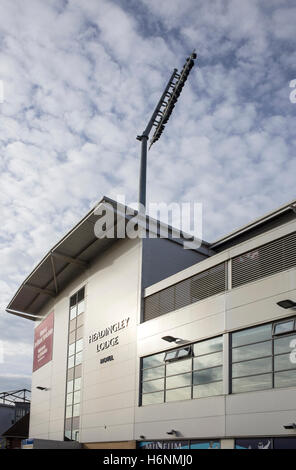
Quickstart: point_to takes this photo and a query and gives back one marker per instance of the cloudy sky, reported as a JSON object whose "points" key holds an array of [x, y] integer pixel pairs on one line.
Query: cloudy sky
{"points": [[81, 79]]}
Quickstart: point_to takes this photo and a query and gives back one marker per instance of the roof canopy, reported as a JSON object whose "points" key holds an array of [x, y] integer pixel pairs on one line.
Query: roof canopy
{"points": [[66, 259]]}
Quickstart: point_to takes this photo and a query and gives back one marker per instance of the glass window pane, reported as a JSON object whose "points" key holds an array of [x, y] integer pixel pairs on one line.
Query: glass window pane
{"points": [[179, 367], [178, 381], [256, 366], [77, 384], [153, 361], [178, 394], [80, 307], [79, 333], [284, 327], [78, 359], [73, 311], [68, 411], [208, 390], [244, 353], [71, 362], [79, 345], [152, 398], [210, 360], [207, 375], [70, 386], [72, 337], [252, 335], [285, 344], [76, 409], [68, 434], [75, 434], [72, 349], [248, 384], [72, 325], [80, 320], [283, 362], [69, 399], [208, 346], [68, 424], [76, 397], [171, 355], [184, 352], [153, 386], [285, 379], [154, 373]]}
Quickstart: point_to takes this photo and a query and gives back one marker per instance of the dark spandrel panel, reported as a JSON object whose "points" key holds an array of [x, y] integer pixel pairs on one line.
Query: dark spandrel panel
{"points": [[154, 373], [253, 351], [250, 384], [152, 398], [178, 394], [153, 386], [284, 361], [256, 366], [153, 361], [252, 335], [284, 443], [208, 346], [284, 344], [285, 379], [207, 375], [208, 390], [209, 360], [262, 443], [80, 294], [73, 300]]}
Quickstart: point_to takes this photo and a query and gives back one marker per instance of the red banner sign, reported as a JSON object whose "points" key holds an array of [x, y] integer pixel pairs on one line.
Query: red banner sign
{"points": [[43, 339]]}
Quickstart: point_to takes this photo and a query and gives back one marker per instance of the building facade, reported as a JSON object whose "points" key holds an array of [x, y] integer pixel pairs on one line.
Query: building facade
{"points": [[139, 342]]}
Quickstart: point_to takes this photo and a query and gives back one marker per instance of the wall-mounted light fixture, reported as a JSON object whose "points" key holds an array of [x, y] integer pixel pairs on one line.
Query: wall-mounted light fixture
{"points": [[173, 432], [286, 303], [142, 437], [290, 426], [172, 339], [42, 388]]}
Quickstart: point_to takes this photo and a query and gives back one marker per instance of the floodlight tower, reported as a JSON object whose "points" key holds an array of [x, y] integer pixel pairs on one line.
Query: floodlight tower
{"points": [[160, 117]]}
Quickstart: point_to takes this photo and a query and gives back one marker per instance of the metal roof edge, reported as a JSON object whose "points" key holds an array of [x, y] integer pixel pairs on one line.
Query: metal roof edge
{"points": [[254, 223]]}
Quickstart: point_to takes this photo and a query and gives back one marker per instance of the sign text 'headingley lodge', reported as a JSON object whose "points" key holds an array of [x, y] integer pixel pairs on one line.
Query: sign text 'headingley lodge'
{"points": [[110, 330]]}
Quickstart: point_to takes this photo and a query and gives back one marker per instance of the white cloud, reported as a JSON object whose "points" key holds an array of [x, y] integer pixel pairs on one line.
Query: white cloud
{"points": [[81, 80]]}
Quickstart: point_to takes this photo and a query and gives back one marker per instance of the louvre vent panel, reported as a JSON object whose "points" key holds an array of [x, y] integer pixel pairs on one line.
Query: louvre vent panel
{"points": [[193, 289], [265, 260]]}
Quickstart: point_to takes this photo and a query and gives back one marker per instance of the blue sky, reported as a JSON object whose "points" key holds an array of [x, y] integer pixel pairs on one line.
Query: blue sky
{"points": [[81, 79]]}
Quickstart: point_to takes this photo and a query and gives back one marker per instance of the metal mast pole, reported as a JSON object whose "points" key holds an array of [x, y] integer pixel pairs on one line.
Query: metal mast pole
{"points": [[145, 136], [159, 118]]}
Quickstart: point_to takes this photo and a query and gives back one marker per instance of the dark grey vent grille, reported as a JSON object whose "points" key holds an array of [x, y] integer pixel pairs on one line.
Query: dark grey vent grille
{"points": [[265, 260], [193, 289]]}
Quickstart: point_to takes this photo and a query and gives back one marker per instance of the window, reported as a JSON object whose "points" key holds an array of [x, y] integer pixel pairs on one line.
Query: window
{"points": [[75, 351], [261, 357], [193, 371]]}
